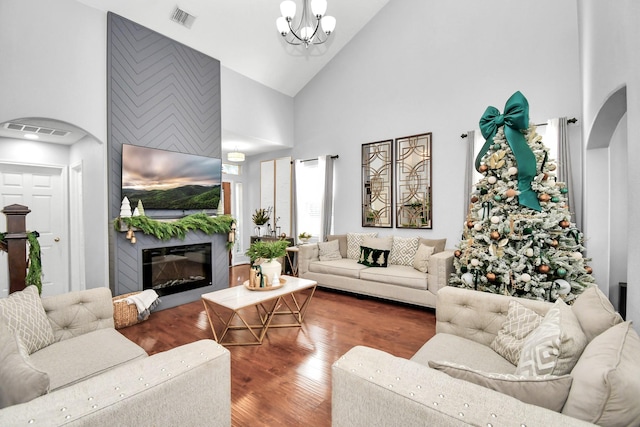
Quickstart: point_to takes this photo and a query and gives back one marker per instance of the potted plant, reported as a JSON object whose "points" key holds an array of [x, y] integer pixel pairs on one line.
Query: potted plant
{"points": [[260, 217], [266, 254], [304, 237]]}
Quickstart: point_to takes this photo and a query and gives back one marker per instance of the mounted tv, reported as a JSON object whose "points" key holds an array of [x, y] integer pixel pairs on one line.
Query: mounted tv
{"points": [[168, 181]]}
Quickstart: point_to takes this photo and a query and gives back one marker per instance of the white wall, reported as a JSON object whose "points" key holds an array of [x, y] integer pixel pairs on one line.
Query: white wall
{"points": [[92, 154], [411, 71], [610, 42], [54, 63], [252, 110]]}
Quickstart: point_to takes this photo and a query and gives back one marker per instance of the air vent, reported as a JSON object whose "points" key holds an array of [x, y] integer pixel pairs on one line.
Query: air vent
{"points": [[183, 18], [35, 129]]}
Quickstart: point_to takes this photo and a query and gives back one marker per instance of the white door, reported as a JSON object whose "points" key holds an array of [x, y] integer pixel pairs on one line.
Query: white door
{"points": [[41, 189]]}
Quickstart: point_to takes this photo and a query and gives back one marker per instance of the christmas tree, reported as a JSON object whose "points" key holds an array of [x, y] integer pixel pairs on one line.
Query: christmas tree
{"points": [[518, 238]]}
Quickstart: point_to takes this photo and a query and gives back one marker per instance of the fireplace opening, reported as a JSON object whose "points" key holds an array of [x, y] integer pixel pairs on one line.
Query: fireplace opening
{"points": [[175, 269]]}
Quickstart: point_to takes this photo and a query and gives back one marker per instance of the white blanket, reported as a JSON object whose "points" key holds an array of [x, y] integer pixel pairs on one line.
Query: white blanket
{"points": [[144, 302]]}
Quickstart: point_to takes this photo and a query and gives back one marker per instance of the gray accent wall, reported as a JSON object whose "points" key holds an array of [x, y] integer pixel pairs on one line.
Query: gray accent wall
{"points": [[160, 94]]}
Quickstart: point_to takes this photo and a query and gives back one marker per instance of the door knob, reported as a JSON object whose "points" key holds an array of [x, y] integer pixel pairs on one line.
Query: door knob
{"points": [[57, 239]]}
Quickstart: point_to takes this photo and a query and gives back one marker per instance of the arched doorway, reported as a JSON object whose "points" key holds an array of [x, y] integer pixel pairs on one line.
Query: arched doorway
{"points": [[59, 171], [606, 189]]}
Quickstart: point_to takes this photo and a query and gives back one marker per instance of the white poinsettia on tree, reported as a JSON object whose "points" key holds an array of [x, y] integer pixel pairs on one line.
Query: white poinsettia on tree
{"points": [[518, 238]]}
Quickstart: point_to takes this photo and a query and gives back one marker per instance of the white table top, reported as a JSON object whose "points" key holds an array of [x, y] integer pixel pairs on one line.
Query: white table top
{"points": [[238, 297]]}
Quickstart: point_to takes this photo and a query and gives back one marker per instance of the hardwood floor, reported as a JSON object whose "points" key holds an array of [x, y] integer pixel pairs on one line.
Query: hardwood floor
{"points": [[286, 381]]}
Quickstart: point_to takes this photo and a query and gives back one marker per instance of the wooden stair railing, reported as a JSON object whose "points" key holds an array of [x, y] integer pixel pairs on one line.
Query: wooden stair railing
{"points": [[16, 245]]}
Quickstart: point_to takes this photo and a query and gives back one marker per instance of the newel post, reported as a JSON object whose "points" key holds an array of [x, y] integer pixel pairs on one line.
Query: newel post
{"points": [[16, 239]]}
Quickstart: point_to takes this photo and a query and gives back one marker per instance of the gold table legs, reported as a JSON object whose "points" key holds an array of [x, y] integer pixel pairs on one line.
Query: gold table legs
{"points": [[224, 320]]}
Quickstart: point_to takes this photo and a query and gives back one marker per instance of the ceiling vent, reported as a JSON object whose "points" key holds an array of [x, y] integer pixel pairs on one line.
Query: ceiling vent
{"points": [[35, 129], [183, 18]]}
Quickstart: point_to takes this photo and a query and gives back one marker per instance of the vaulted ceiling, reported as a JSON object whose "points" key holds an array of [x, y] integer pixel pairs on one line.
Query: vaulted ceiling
{"points": [[242, 34]]}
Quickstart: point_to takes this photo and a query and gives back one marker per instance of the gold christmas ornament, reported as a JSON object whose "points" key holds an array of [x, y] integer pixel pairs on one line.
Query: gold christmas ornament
{"points": [[544, 269], [588, 269], [483, 168], [510, 192], [491, 277], [494, 235], [564, 223], [474, 199], [544, 197], [457, 253], [554, 243]]}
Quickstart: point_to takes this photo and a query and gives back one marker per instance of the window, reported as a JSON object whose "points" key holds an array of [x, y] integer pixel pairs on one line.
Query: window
{"points": [[309, 188], [230, 169]]}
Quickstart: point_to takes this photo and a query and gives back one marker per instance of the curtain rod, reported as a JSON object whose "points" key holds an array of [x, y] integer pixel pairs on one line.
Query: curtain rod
{"points": [[571, 120], [335, 156]]}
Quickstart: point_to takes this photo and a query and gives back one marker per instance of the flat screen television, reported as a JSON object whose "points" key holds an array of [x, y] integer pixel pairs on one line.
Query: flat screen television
{"points": [[168, 181]]}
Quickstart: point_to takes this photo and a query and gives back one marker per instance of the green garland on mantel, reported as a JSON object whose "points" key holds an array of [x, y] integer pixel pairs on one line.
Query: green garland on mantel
{"points": [[34, 267], [164, 230]]}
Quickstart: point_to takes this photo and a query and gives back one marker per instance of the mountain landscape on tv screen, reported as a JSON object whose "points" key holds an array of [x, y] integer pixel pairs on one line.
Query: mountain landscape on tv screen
{"points": [[188, 197]]}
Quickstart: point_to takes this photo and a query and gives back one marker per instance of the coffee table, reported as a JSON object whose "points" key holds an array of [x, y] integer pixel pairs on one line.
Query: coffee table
{"points": [[240, 309]]}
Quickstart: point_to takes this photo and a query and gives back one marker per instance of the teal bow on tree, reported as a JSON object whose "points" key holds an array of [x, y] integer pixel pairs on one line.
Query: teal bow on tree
{"points": [[515, 119]]}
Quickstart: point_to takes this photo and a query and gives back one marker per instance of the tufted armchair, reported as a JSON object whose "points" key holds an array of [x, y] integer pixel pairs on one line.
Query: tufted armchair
{"points": [[88, 374], [457, 378]]}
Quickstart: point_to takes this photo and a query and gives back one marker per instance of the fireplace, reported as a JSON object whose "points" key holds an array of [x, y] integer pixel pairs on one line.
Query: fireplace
{"points": [[174, 269]]}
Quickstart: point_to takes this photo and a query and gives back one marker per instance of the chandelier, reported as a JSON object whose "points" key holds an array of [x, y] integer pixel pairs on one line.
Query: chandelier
{"points": [[313, 28]]}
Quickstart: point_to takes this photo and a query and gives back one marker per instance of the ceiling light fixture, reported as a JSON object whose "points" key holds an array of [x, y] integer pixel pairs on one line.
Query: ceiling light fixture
{"points": [[31, 136], [235, 156], [306, 30]]}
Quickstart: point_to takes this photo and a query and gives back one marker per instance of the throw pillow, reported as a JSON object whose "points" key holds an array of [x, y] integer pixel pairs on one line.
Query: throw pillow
{"points": [[594, 312], [403, 250], [385, 243], [342, 241], [373, 257], [606, 379], [437, 244], [519, 323], [20, 382], [329, 251], [23, 313], [421, 259], [545, 391], [354, 241], [555, 346]]}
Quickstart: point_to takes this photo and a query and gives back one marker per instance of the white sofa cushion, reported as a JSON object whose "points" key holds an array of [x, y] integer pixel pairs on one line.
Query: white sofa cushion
{"points": [[403, 250], [354, 241], [554, 347], [343, 267], [520, 322], [19, 381], [85, 356], [329, 251], [547, 391], [606, 379], [421, 259], [399, 275], [595, 312], [23, 313], [462, 351]]}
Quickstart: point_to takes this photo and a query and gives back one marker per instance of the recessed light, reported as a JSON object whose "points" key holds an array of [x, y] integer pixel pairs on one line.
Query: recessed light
{"points": [[31, 136]]}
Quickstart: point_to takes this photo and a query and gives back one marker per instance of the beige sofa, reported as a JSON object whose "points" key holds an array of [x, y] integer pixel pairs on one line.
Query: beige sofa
{"points": [[374, 388], [91, 375], [401, 283]]}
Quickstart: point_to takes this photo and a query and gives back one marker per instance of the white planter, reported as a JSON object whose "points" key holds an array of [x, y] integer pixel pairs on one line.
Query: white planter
{"points": [[270, 269]]}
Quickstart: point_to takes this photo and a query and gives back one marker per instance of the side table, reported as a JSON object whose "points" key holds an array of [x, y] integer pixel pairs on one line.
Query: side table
{"points": [[292, 257]]}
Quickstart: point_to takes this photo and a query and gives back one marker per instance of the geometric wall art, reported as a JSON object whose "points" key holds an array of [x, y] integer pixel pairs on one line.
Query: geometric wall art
{"points": [[413, 182], [377, 184]]}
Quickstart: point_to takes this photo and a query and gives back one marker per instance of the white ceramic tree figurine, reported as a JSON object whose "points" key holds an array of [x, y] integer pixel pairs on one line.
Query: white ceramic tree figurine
{"points": [[125, 208], [518, 238]]}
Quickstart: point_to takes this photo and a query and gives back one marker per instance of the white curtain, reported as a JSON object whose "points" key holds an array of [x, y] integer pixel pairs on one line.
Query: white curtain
{"points": [[294, 199], [325, 166], [557, 132], [468, 173]]}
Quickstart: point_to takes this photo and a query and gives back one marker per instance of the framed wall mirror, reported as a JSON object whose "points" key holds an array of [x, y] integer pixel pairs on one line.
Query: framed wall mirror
{"points": [[377, 184], [413, 182]]}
